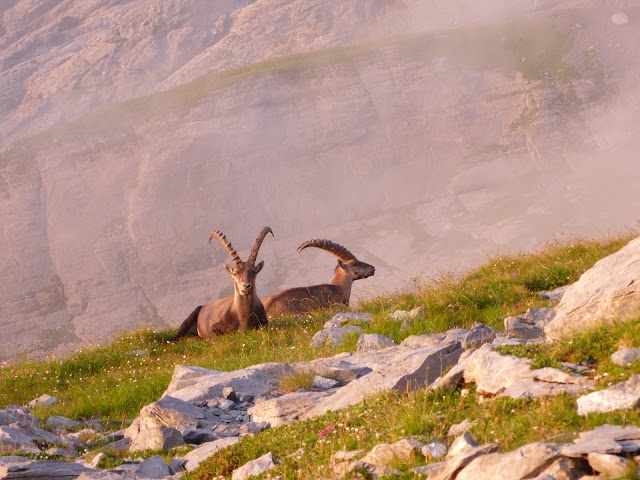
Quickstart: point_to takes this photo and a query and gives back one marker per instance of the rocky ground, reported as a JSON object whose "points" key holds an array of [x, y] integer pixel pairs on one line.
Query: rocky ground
{"points": [[212, 410]]}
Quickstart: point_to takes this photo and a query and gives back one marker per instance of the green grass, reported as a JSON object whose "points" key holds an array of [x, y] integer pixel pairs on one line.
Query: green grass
{"points": [[113, 383]]}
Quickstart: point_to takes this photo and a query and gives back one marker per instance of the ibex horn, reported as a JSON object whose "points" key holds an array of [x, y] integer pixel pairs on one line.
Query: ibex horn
{"points": [[232, 253], [256, 246], [338, 250]]}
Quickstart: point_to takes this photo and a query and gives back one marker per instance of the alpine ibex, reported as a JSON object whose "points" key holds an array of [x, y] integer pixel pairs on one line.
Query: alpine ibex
{"points": [[304, 299], [239, 313]]}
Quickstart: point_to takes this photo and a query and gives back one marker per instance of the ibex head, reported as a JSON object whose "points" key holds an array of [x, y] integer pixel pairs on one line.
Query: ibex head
{"points": [[347, 261], [243, 273]]}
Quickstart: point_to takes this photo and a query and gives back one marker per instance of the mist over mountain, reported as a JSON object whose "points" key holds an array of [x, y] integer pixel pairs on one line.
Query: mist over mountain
{"points": [[423, 137]]}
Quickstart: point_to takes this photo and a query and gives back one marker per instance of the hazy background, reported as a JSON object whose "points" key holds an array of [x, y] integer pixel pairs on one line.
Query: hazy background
{"points": [[422, 135]]}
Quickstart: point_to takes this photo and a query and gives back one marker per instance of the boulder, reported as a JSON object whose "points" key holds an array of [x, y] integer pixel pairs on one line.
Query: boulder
{"points": [[626, 356], [608, 292], [285, 409], [343, 318], [335, 336], [204, 451], [461, 444], [254, 467], [621, 396], [455, 465], [373, 341], [389, 453], [408, 314], [399, 369], [603, 439], [516, 465], [512, 376], [197, 384], [21, 416], [611, 466], [18, 467], [56, 421], [153, 468], [43, 401]]}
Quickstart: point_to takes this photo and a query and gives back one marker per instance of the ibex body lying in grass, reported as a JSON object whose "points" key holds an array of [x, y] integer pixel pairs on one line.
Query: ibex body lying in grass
{"points": [[239, 313], [295, 301]]}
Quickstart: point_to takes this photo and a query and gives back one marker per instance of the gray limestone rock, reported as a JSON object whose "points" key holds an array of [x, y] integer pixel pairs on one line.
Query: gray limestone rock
{"points": [[621, 396], [23, 468], [373, 341], [389, 453], [200, 385], [55, 421], [324, 383], [626, 356], [461, 444], [43, 401], [343, 318], [603, 439], [611, 466], [335, 336], [204, 451], [608, 292], [516, 465], [402, 370], [153, 468], [408, 314], [456, 464], [254, 467], [287, 408]]}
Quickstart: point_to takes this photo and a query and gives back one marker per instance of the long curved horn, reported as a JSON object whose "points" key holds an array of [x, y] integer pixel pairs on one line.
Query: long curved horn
{"points": [[232, 253], [256, 246], [338, 250]]}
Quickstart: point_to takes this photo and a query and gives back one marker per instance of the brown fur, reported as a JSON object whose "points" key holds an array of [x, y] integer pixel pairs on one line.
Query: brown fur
{"points": [[239, 313], [300, 300]]}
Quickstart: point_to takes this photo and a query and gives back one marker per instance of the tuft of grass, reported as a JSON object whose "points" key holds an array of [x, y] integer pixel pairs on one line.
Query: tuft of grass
{"points": [[295, 381]]}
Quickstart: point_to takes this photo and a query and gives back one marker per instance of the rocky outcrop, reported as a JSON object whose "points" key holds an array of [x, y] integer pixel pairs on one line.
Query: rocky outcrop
{"points": [[609, 292]]}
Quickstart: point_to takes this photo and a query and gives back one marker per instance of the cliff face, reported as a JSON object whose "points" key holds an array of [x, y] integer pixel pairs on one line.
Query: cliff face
{"points": [[421, 138]]}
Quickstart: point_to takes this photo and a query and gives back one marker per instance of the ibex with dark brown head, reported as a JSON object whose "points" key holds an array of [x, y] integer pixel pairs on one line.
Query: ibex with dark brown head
{"points": [[304, 299], [239, 313]]}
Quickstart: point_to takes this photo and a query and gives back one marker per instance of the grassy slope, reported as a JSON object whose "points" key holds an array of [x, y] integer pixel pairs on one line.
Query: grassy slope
{"points": [[112, 383]]}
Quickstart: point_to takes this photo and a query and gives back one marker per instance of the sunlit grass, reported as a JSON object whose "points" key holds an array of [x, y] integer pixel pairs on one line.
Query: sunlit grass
{"points": [[114, 382]]}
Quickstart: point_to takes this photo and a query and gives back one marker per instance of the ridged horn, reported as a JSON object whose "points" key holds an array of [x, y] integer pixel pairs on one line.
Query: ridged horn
{"points": [[338, 250], [256, 246], [232, 253]]}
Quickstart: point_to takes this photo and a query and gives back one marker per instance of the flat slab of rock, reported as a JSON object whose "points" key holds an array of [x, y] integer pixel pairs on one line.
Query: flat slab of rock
{"points": [[193, 385], [343, 318], [254, 467], [626, 356], [603, 439], [204, 451], [400, 369], [512, 376], [621, 396], [453, 466], [516, 465], [607, 292], [23, 468], [285, 409]]}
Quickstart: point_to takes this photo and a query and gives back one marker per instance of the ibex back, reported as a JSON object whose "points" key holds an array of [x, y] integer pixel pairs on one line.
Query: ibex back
{"points": [[299, 300], [239, 313]]}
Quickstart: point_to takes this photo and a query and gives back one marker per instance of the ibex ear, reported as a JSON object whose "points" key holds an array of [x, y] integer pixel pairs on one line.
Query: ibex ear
{"points": [[342, 264], [258, 267], [228, 268]]}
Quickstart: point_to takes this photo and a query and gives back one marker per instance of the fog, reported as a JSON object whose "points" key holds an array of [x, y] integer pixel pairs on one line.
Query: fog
{"points": [[423, 137]]}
